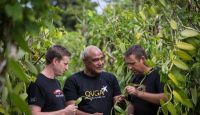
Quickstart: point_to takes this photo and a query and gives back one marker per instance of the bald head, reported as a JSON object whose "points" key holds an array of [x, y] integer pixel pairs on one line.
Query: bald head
{"points": [[93, 59], [90, 50]]}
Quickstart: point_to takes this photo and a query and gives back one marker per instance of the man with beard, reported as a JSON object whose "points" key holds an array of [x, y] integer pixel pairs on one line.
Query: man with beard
{"points": [[100, 89], [147, 92]]}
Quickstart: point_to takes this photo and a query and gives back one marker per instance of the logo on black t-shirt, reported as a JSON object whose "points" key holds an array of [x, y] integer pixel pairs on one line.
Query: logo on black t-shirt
{"points": [[95, 94], [104, 89], [33, 99], [58, 93]]}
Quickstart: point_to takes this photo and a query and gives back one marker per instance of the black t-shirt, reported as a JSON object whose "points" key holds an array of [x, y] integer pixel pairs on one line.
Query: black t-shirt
{"points": [[100, 90], [152, 85], [46, 93]]}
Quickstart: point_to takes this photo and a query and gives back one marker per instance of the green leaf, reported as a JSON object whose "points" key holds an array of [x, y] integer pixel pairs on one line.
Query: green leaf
{"points": [[8, 83], [188, 103], [14, 11], [119, 109], [152, 10], [183, 55], [20, 103], [32, 28], [120, 69], [165, 68], [179, 76], [78, 101], [31, 67], [4, 94], [171, 108], [194, 95], [196, 65], [122, 47], [182, 97], [193, 41], [14, 67], [171, 55], [150, 63], [185, 46], [173, 78], [90, 13], [164, 107], [163, 2], [2, 110], [48, 43], [22, 43], [142, 15], [180, 64], [173, 24], [18, 87], [138, 35], [177, 95], [20, 54], [189, 33], [24, 96], [166, 93]]}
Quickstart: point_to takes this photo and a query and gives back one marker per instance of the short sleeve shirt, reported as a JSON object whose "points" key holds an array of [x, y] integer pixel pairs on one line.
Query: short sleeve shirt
{"points": [[152, 85], [99, 90], [46, 93]]}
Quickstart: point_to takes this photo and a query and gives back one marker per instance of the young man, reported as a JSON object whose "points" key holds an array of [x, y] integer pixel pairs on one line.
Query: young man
{"points": [[45, 96], [100, 88], [145, 97]]}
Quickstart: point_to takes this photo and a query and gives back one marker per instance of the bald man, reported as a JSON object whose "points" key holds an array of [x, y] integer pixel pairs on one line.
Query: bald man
{"points": [[101, 88]]}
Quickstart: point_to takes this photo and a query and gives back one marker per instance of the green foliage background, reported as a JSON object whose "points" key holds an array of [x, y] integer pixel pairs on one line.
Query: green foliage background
{"points": [[168, 30]]}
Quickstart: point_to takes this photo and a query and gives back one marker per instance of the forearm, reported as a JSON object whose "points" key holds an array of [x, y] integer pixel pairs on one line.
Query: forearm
{"points": [[36, 110], [79, 112], [151, 97], [60, 112]]}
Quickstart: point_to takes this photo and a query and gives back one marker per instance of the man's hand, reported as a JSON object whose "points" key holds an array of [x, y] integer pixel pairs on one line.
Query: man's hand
{"points": [[131, 90], [70, 109], [119, 98]]}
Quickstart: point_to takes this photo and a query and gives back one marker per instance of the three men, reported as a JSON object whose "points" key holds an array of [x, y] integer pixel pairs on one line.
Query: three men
{"points": [[145, 97], [45, 96], [99, 88]]}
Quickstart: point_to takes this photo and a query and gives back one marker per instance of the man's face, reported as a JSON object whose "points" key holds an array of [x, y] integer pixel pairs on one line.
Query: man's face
{"points": [[134, 64], [94, 62], [61, 65]]}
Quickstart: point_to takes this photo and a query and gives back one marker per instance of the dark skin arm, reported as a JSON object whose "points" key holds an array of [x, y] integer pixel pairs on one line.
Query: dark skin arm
{"points": [[78, 112]]}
